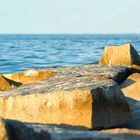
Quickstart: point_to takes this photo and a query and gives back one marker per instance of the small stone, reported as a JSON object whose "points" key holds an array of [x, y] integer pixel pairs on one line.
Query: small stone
{"points": [[31, 72]]}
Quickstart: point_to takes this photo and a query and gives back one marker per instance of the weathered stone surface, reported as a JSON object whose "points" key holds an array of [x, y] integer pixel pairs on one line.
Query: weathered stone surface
{"points": [[30, 76], [131, 86], [135, 111], [3, 131], [122, 55], [70, 100], [22, 131], [6, 84], [117, 73]]}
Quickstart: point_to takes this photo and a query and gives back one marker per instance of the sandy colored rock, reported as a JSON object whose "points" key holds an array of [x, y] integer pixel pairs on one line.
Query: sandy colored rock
{"points": [[3, 131], [131, 86], [70, 100], [30, 76], [121, 131], [120, 55], [6, 84]]}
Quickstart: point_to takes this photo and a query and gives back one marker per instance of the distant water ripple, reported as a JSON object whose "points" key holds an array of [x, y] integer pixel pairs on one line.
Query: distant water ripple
{"points": [[22, 52]]}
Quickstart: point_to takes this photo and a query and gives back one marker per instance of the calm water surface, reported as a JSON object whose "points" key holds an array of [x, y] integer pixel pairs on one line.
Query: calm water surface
{"points": [[22, 52]]}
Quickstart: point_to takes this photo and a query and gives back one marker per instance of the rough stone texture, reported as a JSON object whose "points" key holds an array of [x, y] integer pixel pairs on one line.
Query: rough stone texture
{"points": [[3, 131], [6, 84], [135, 111], [30, 76], [15, 130], [73, 100], [122, 55], [21, 131], [131, 86], [117, 73]]}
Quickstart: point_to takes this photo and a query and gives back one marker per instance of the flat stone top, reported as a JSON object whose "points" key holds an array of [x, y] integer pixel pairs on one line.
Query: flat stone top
{"points": [[60, 83], [85, 77], [90, 70]]}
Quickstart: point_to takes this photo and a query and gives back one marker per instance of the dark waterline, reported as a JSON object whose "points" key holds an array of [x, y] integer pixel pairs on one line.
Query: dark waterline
{"points": [[22, 52]]}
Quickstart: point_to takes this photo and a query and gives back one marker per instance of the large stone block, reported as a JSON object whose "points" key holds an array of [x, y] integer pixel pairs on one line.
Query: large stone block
{"points": [[121, 55], [69, 100]]}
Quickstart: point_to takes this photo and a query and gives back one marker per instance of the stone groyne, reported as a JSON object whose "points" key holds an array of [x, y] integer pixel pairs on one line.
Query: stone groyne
{"points": [[95, 101]]}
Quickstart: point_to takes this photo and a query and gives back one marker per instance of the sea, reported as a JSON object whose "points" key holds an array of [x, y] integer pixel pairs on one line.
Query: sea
{"points": [[19, 52]]}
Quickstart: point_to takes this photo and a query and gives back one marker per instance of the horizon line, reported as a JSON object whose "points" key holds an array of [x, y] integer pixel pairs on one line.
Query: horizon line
{"points": [[69, 33]]}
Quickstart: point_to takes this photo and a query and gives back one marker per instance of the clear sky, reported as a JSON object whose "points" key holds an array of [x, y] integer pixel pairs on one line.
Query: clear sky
{"points": [[69, 16]]}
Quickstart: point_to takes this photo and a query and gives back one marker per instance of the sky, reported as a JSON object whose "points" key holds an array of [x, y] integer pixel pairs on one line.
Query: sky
{"points": [[70, 16]]}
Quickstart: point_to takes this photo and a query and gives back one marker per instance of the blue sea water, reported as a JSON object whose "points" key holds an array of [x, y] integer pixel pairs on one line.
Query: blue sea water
{"points": [[22, 52]]}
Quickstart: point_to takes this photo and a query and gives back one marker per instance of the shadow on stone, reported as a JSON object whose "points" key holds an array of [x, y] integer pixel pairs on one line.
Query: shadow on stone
{"points": [[19, 131], [127, 84]]}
